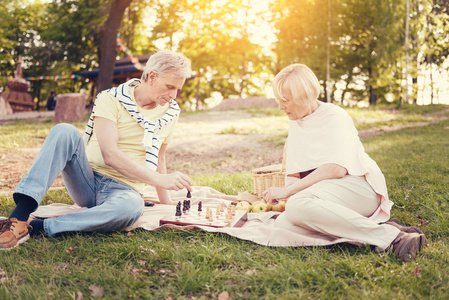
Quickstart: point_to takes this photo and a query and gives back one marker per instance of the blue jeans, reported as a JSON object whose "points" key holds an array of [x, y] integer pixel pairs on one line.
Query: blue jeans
{"points": [[112, 205]]}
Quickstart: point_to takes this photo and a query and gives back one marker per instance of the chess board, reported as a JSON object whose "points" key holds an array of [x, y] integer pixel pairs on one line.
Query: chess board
{"points": [[198, 218]]}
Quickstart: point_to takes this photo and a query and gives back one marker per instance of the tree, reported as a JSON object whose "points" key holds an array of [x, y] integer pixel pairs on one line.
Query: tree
{"points": [[21, 25], [435, 47], [305, 36], [19, 30], [216, 37], [108, 49]]}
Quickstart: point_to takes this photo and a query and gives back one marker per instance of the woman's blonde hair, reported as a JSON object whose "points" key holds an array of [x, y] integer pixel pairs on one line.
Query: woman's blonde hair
{"points": [[302, 82]]}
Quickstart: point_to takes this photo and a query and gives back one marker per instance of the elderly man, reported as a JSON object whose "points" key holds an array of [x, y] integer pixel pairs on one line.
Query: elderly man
{"points": [[122, 150]]}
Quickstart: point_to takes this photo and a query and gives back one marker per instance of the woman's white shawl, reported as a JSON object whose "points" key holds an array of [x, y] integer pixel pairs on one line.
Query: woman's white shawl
{"points": [[328, 135]]}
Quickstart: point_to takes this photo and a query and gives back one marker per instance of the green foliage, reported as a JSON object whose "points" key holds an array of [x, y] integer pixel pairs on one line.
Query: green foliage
{"points": [[217, 41], [20, 28], [57, 38], [72, 33], [366, 54], [195, 264]]}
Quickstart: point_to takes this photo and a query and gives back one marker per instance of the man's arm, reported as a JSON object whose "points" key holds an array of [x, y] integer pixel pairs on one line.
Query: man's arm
{"points": [[326, 171], [162, 194], [107, 135]]}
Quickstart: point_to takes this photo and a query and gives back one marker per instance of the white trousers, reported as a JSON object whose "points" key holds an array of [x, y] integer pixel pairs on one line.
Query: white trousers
{"points": [[337, 208]]}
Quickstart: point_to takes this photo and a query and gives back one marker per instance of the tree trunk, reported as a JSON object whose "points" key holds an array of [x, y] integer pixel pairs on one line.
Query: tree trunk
{"points": [[415, 89], [371, 89], [328, 54], [407, 99], [415, 57], [372, 95], [108, 50], [325, 90], [36, 92], [431, 80], [197, 92], [242, 76]]}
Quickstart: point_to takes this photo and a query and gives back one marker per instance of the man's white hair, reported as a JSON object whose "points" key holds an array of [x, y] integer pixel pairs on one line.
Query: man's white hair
{"points": [[164, 62]]}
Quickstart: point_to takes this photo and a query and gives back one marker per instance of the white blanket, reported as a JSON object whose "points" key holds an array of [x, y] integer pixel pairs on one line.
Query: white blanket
{"points": [[259, 227]]}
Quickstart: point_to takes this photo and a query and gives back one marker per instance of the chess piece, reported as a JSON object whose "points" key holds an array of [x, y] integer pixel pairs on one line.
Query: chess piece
{"points": [[200, 206], [189, 195], [178, 210], [209, 214], [233, 210], [184, 206], [227, 218]]}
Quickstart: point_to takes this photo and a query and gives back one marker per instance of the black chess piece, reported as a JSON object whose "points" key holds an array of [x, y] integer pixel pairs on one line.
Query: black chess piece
{"points": [[184, 205], [188, 204], [178, 210], [200, 206], [189, 195]]}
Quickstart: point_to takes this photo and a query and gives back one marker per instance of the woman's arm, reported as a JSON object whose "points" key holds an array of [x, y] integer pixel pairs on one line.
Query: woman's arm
{"points": [[326, 171], [107, 135]]}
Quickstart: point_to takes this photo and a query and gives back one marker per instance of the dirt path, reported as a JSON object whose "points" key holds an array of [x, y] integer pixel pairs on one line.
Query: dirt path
{"points": [[198, 148]]}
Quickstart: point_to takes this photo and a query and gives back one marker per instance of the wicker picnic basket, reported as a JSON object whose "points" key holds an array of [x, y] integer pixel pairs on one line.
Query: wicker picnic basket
{"points": [[269, 176]]}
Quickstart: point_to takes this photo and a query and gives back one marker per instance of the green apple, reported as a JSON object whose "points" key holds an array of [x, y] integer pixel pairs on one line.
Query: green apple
{"points": [[260, 206], [279, 206], [243, 205]]}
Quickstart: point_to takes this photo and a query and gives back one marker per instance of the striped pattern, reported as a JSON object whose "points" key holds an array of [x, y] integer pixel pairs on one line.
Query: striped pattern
{"points": [[150, 140]]}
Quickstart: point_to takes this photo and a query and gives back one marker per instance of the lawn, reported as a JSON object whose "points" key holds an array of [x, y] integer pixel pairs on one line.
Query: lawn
{"points": [[178, 264]]}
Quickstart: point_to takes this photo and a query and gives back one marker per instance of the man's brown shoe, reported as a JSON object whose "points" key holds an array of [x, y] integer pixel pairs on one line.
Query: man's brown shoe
{"points": [[406, 245], [13, 233]]}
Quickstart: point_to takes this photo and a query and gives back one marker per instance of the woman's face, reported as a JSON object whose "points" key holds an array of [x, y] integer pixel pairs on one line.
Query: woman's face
{"points": [[294, 111]]}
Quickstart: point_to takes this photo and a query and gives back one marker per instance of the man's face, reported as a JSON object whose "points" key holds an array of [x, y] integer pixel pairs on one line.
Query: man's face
{"points": [[162, 89]]}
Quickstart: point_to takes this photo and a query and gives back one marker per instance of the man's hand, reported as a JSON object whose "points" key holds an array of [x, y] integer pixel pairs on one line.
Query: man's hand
{"points": [[174, 181]]}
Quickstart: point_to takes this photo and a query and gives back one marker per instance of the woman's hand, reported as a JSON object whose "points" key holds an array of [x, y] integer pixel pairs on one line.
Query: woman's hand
{"points": [[275, 193]]}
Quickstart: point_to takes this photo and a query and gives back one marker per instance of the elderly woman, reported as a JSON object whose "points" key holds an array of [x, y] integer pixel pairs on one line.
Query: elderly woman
{"points": [[335, 189]]}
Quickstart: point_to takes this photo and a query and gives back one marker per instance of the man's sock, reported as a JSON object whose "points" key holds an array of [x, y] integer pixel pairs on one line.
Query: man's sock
{"points": [[38, 226], [25, 206]]}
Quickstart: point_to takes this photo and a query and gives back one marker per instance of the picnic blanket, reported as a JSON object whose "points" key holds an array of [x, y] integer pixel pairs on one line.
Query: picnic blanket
{"points": [[258, 228]]}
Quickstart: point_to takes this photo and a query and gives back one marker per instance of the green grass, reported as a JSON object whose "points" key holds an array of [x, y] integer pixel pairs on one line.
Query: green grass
{"points": [[271, 112], [198, 265], [366, 118], [263, 125], [26, 133], [240, 130], [230, 184]]}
